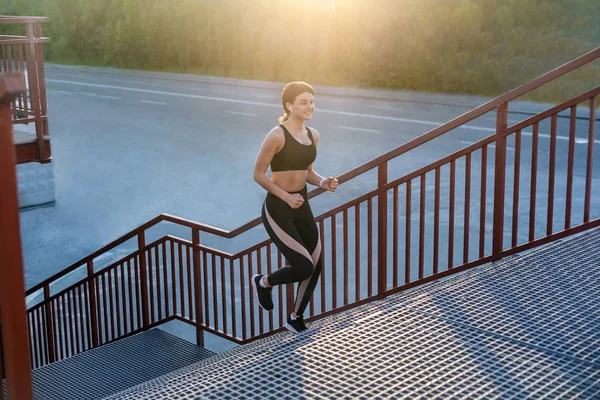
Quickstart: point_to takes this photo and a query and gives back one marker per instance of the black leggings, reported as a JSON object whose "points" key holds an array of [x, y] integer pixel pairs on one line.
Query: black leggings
{"points": [[295, 233]]}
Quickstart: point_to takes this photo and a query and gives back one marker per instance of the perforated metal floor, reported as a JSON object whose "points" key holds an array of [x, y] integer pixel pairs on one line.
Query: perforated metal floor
{"points": [[21, 136], [112, 368], [527, 327]]}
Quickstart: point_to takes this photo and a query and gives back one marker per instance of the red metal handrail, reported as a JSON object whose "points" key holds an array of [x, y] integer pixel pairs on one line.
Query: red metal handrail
{"points": [[412, 144], [110, 325], [174, 279], [15, 39], [24, 54], [8, 19]]}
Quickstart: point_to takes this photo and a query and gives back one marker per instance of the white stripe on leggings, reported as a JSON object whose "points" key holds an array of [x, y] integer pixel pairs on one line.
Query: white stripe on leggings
{"points": [[302, 288], [285, 238]]}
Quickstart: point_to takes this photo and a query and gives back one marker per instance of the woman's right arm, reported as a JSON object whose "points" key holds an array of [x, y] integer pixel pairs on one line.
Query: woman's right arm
{"points": [[267, 150]]}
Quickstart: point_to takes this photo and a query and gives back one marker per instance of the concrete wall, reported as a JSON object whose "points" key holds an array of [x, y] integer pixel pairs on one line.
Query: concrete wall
{"points": [[36, 184]]}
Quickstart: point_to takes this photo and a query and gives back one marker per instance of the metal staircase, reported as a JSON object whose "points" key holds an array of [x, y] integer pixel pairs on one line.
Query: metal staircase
{"points": [[25, 54], [115, 367], [526, 327]]}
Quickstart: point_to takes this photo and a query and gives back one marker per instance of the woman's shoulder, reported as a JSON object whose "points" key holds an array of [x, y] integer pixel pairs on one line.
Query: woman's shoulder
{"points": [[277, 131], [315, 133], [276, 135]]}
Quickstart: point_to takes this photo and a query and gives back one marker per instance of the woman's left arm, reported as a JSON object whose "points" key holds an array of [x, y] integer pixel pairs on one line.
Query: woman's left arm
{"points": [[314, 178]]}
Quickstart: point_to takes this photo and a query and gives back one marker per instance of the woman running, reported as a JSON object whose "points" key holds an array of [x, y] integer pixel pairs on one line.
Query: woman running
{"points": [[291, 149]]}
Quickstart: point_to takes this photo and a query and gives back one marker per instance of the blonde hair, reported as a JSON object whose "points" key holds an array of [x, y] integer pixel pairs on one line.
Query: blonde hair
{"points": [[289, 94]]}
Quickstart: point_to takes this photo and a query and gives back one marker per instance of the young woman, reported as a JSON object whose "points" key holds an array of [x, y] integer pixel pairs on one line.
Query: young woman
{"points": [[291, 149]]}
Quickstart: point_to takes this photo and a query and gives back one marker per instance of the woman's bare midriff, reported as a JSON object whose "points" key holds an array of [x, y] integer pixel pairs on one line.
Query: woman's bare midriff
{"points": [[290, 181]]}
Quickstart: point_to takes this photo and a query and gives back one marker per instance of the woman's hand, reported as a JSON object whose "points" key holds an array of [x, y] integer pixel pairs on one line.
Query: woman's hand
{"points": [[294, 200], [330, 184]]}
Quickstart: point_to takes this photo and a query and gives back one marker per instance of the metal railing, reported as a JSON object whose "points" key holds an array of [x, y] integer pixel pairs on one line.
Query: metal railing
{"points": [[176, 279], [24, 54]]}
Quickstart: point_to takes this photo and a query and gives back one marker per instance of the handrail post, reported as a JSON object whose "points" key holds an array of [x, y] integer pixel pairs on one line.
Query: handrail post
{"points": [[590, 160], [499, 180], [39, 51], [15, 333], [93, 304], [48, 326], [382, 172], [143, 279], [34, 91], [197, 287]]}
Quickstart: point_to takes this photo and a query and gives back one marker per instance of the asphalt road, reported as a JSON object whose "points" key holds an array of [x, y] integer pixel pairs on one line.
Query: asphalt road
{"points": [[127, 147]]}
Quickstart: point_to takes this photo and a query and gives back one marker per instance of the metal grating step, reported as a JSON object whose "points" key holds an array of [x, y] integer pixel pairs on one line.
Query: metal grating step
{"points": [[542, 301], [114, 367], [526, 327], [23, 134]]}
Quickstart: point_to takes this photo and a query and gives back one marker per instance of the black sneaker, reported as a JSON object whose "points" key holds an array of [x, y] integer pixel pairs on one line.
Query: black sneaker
{"points": [[263, 295], [295, 325]]}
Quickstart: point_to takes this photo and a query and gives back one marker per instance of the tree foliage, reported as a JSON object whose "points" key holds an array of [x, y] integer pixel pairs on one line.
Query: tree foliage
{"points": [[464, 46]]}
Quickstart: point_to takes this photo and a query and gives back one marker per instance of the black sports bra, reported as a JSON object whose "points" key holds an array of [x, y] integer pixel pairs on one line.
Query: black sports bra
{"points": [[294, 155]]}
